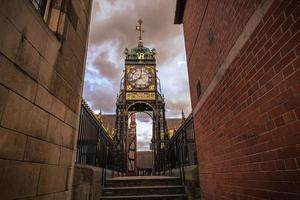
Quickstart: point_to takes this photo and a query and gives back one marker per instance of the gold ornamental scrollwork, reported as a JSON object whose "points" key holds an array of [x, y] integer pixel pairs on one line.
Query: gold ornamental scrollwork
{"points": [[128, 87], [152, 87], [140, 96]]}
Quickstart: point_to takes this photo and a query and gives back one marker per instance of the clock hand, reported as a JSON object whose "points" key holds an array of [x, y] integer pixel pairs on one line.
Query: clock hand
{"points": [[135, 77]]}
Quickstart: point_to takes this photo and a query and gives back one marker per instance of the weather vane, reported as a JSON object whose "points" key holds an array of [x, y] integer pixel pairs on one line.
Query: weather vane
{"points": [[139, 28]]}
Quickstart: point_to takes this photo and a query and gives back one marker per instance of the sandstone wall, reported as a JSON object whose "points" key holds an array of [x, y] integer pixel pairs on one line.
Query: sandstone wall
{"points": [[87, 183], [41, 77]]}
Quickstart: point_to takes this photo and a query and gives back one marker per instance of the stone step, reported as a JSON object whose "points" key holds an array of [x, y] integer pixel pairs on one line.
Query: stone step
{"points": [[143, 190], [142, 181], [152, 197]]}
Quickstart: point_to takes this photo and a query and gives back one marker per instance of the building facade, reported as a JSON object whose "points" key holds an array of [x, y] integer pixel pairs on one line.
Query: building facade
{"points": [[43, 48], [243, 61]]}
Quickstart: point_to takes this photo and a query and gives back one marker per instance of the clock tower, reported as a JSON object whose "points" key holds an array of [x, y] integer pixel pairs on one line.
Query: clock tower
{"points": [[140, 92], [140, 73]]}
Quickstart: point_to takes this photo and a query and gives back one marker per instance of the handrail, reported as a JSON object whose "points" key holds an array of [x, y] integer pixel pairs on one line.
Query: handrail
{"points": [[180, 150], [94, 146]]}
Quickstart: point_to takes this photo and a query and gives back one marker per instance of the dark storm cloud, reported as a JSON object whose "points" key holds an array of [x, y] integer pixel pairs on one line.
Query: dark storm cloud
{"points": [[99, 98], [158, 25], [174, 108], [107, 68]]}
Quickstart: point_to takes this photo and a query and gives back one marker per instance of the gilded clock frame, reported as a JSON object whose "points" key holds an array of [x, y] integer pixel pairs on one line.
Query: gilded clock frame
{"points": [[130, 87]]}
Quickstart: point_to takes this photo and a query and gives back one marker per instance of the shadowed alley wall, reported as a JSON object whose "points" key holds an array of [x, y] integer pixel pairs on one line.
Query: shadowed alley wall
{"points": [[42, 59], [243, 62]]}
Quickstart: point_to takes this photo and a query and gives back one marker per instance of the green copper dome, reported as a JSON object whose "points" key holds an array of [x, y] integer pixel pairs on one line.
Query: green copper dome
{"points": [[140, 55]]}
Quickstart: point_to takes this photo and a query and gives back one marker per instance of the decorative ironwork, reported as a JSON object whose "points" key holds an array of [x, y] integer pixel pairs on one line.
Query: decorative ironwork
{"points": [[144, 171], [140, 96], [180, 150], [94, 146], [139, 93]]}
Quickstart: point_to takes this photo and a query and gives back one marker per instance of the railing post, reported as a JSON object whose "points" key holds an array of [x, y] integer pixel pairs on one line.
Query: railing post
{"points": [[91, 132], [182, 158]]}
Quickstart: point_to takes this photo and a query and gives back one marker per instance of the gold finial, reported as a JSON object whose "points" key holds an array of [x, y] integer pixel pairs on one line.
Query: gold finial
{"points": [[139, 28]]}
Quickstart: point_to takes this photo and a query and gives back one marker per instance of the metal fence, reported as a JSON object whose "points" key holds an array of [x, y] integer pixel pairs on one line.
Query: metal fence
{"points": [[94, 146], [180, 150]]}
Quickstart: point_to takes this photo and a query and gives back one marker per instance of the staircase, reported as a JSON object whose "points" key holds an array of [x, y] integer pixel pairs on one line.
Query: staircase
{"points": [[144, 187]]}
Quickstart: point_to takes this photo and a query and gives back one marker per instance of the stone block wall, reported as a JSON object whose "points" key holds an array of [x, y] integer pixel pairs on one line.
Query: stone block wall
{"points": [[41, 77], [87, 184], [245, 55]]}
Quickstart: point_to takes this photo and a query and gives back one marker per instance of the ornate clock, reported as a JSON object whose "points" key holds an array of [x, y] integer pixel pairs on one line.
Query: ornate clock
{"points": [[140, 78]]}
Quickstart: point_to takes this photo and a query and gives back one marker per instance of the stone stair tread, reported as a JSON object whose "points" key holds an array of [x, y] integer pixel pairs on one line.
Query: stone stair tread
{"points": [[126, 178], [144, 187], [144, 196]]}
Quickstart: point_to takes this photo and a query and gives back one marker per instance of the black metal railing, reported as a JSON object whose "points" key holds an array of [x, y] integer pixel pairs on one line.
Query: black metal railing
{"points": [[94, 146], [180, 150]]}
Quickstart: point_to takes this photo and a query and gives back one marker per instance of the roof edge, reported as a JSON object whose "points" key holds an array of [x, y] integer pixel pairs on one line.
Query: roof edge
{"points": [[179, 12]]}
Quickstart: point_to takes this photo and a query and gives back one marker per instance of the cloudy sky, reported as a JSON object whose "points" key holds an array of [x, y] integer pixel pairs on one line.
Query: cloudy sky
{"points": [[112, 30]]}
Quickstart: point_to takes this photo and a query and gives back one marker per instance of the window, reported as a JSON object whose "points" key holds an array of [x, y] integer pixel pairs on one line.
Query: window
{"points": [[211, 37], [198, 88], [72, 15], [52, 12], [42, 7]]}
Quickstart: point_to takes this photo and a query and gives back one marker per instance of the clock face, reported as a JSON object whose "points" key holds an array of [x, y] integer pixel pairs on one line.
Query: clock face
{"points": [[140, 78]]}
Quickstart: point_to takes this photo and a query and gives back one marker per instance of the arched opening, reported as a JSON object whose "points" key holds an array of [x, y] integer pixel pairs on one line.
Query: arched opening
{"points": [[140, 135]]}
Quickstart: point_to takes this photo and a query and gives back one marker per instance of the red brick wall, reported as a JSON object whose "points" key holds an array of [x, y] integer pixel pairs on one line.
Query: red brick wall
{"points": [[226, 20], [248, 129]]}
